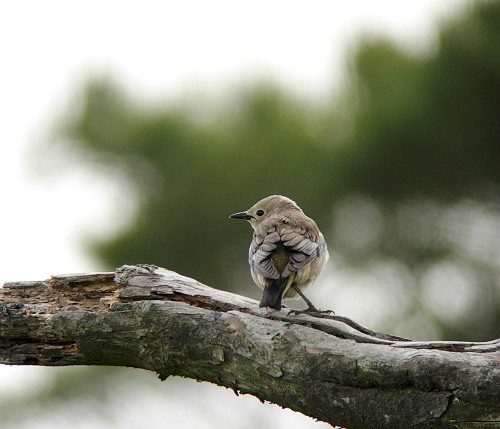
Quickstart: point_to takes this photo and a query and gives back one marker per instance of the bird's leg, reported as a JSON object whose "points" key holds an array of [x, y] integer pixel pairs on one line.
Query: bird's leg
{"points": [[310, 307]]}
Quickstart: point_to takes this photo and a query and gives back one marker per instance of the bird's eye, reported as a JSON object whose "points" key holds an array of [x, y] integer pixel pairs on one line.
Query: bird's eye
{"points": [[260, 212]]}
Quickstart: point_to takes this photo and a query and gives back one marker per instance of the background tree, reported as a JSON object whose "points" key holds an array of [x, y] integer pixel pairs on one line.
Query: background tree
{"points": [[406, 162], [404, 166]]}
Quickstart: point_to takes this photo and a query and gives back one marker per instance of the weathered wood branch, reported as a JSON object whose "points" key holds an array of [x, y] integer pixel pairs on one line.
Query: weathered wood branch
{"points": [[329, 368]]}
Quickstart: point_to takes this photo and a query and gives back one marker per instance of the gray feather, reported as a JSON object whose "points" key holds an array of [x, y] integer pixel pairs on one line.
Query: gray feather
{"points": [[301, 245], [260, 252]]}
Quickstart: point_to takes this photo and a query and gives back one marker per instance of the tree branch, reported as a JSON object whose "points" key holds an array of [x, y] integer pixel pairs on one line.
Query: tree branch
{"points": [[329, 368]]}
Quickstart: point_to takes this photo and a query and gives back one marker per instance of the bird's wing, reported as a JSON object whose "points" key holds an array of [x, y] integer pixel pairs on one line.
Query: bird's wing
{"points": [[263, 244], [303, 245]]}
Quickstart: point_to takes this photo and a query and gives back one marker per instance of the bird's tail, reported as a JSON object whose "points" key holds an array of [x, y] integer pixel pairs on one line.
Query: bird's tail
{"points": [[271, 297], [274, 292]]}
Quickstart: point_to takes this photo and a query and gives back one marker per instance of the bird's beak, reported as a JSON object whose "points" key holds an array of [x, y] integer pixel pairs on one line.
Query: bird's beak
{"points": [[241, 215]]}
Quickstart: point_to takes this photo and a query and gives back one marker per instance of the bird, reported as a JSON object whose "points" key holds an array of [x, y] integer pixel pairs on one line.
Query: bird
{"points": [[287, 252]]}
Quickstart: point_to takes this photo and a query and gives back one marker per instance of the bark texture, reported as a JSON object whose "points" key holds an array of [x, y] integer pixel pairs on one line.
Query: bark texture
{"points": [[329, 368]]}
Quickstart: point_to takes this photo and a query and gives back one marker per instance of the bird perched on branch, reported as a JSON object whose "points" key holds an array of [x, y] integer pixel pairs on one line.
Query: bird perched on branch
{"points": [[287, 252]]}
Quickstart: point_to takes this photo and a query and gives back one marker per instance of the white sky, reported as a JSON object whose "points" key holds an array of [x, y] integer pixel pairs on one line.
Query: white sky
{"points": [[158, 50]]}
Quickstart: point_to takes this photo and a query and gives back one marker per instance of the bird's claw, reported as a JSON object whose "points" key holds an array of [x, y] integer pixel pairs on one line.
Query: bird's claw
{"points": [[313, 311]]}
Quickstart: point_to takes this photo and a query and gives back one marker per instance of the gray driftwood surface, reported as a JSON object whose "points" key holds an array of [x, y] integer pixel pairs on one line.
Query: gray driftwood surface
{"points": [[329, 368]]}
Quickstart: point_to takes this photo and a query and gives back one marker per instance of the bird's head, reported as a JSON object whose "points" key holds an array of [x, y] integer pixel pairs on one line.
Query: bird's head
{"points": [[269, 206]]}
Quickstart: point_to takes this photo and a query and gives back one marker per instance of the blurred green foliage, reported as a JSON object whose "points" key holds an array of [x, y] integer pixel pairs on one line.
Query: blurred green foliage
{"points": [[401, 172], [414, 136], [190, 176]]}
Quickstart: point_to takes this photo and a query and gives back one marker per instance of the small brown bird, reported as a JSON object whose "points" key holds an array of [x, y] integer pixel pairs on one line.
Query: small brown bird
{"points": [[287, 252]]}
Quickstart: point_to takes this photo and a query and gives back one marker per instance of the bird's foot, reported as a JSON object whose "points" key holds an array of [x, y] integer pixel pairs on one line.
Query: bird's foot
{"points": [[313, 311]]}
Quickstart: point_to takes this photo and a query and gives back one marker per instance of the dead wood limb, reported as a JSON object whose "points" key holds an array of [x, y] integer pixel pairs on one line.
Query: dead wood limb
{"points": [[329, 368]]}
